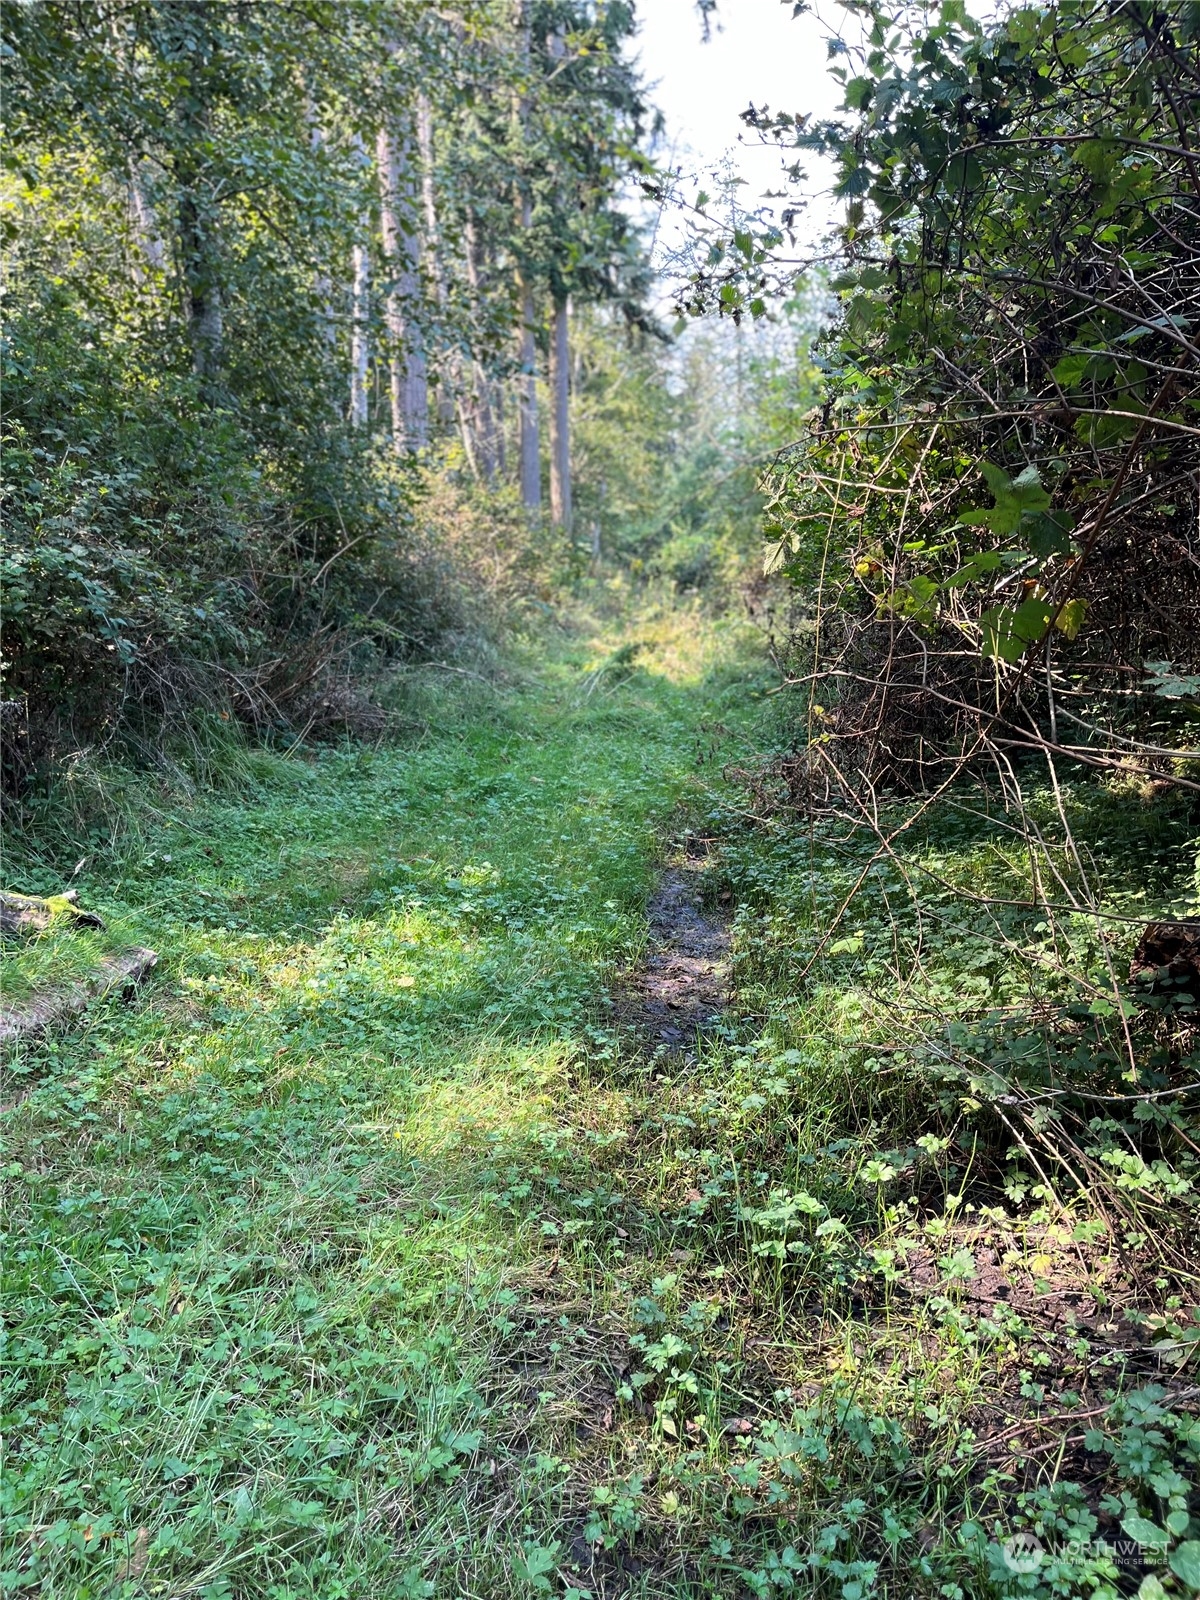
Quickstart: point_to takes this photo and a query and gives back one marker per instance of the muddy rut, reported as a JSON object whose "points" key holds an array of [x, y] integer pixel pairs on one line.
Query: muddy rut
{"points": [[682, 986]]}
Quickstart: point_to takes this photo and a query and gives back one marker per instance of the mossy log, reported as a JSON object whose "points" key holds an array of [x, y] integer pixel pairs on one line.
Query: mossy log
{"points": [[31, 913]]}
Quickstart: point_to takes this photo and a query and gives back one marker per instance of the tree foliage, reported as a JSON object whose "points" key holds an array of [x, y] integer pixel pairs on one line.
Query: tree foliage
{"points": [[1011, 419], [200, 254]]}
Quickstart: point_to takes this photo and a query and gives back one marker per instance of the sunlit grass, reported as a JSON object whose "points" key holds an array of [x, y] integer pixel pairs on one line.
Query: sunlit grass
{"points": [[364, 1255], [271, 1210]]}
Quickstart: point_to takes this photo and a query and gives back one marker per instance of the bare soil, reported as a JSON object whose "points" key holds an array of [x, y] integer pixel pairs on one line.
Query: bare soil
{"points": [[682, 986]]}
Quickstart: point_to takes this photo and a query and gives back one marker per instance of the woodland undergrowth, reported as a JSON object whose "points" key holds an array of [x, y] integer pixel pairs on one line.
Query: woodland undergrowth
{"points": [[370, 1252]]}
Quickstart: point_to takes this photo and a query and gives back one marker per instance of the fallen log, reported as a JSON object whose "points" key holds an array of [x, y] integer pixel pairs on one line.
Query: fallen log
{"points": [[31, 913], [124, 970]]}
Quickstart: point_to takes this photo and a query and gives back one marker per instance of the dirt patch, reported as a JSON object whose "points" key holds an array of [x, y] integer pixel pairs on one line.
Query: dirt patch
{"points": [[682, 987]]}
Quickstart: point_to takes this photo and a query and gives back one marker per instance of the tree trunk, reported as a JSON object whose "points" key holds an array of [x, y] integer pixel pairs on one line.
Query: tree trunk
{"points": [[433, 251], [151, 253], [409, 383], [322, 283], [360, 316], [477, 418], [145, 227], [560, 421], [527, 412], [360, 334], [206, 322], [188, 24], [500, 411], [527, 408]]}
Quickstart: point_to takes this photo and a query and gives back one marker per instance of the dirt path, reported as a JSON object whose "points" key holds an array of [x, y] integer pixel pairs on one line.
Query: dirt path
{"points": [[683, 985]]}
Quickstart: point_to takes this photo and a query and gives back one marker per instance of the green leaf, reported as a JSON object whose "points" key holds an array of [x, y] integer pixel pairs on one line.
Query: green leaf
{"points": [[1070, 369], [1047, 535], [1098, 157], [774, 556], [537, 1561], [918, 598], [995, 477], [977, 567], [1070, 618], [1169, 682], [1027, 488], [1144, 1531], [1000, 643], [863, 315], [1185, 1563], [1031, 619], [1014, 498], [1008, 630], [873, 278], [858, 93]]}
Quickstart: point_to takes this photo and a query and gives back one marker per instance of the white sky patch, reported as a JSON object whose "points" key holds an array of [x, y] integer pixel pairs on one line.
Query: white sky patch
{"points": [[756, 53]]}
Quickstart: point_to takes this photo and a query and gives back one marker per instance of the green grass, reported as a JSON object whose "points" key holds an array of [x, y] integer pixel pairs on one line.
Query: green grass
{"points": [[61, 955], [364, 1256], [269, 1220]]}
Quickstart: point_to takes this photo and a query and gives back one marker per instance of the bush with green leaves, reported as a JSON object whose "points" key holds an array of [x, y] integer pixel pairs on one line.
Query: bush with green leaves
{"points": [[998, 489]]}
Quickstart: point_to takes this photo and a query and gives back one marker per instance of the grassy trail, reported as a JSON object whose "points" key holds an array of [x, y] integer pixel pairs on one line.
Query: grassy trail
{"points": [[314, 1239], [366, 1257]]}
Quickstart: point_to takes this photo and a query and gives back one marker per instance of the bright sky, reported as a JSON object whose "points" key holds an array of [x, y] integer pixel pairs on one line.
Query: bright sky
{"points": [[756, 52]]}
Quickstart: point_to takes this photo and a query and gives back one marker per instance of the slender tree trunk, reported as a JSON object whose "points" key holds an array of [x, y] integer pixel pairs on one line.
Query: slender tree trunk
{"points": [[527, 411], [409, 382], [199, 251], [477, 418], [360, 315], [560, 416], [151, 247], [205, 318], [385, 163], [360, 335], [200, 261], [527, 407], [151, 254], [501, 416], [433, 252], [322, 283]]}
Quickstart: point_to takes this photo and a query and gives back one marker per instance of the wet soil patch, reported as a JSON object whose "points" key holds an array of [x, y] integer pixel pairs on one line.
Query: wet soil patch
{"points": [[682, 986]]}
